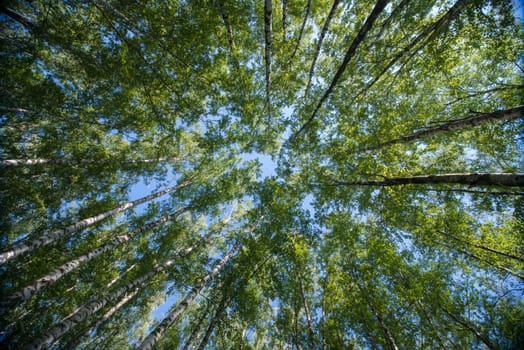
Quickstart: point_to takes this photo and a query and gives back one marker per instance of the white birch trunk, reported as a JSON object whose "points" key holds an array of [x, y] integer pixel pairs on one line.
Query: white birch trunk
{"points": [[57, 234], [72, 162], [43, 282], [176, 313], [90, 308]]}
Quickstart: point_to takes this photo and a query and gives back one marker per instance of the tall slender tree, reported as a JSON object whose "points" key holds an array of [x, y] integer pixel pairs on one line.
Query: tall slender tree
{"points": [[55, 235], [177, 312]]}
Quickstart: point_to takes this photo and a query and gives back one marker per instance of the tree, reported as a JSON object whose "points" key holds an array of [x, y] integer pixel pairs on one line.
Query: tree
{"points": [[140, 207]]}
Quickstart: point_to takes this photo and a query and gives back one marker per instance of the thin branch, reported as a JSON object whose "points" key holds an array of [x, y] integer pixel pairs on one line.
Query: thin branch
{"points": [[301, 33], [319, 44], [490, 91]]}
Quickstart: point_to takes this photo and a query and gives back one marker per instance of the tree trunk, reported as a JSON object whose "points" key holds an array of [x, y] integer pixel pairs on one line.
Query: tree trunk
{"points": [[301, 33], [195, 334], [482, 247], [24, 21], [73, 344], [73, 162], [471, 179], [385, 329], [319, 44], [284, 18], [218, 313], [268, 28], [27, 292], [227, 24], [422, 310], [80, 225], [115, 280], [176, 313], [379, 6], [90, 308], [392, 15], [480, 259], [471, 328], [308, 314], [458, 124], [436, 26]]}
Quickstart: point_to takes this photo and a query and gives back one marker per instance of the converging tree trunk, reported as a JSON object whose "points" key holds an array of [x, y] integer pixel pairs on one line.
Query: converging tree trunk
{"points": [[214, 320], [82, 337], [284, 18], [319, 44], [176, 313], [197, 330], [480, 259], [57, 234], [473, 120], [268, 33], [379, 7], [471, 179], [90, 308], [482, 247], [433, 28], [24, 21], [301, 33], [43, 282], [227, 23], [306, 311], [368, 297], [73, 162], [470, 327]]}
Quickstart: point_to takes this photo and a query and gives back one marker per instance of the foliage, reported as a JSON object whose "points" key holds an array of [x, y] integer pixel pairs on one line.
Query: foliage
{"points": [[352, 242]]}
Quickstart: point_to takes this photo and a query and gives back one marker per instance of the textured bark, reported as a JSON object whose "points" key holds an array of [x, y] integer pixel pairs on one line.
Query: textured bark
{"points": [[37, 286], [434, 27], [268, 29], [319, 44], [368, 24], [150, 341], [471, 179], [474, 120], [301, 33], [73, 162], [73, 344], [80, 225], [90, 308]]}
